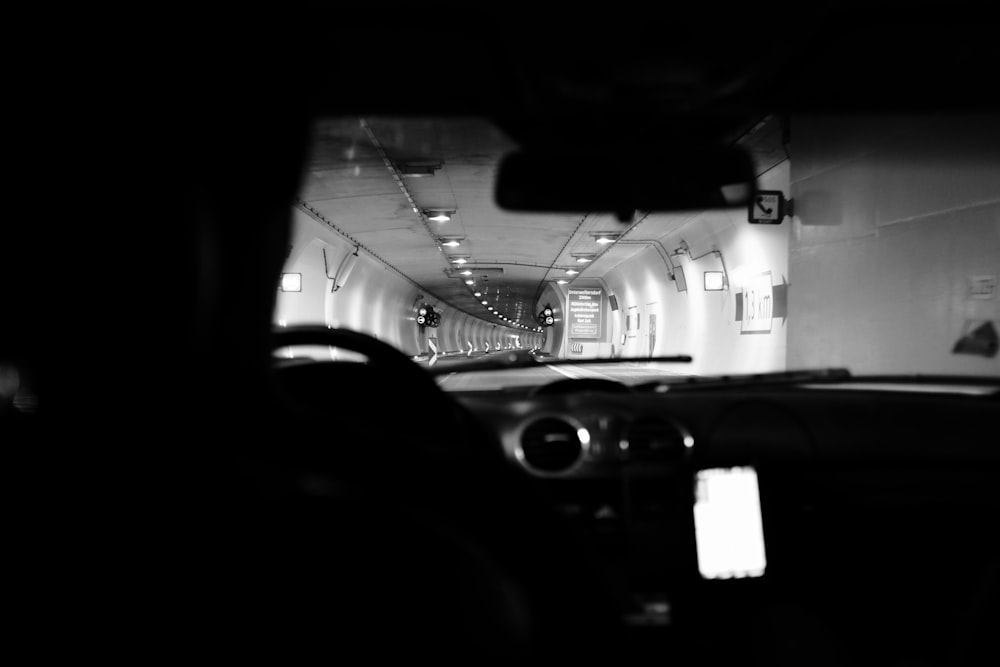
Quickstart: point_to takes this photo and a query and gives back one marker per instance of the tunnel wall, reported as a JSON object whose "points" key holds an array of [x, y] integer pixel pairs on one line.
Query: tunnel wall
{"points": [[708, 325], [374, 299], [895, 220]]}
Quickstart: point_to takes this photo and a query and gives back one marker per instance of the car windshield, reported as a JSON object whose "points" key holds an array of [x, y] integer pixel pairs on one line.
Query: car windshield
{"points": [[871, 244]]}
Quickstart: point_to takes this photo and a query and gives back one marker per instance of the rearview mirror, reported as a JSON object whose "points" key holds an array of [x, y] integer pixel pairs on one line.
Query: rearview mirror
{"points": [[657, 180]]}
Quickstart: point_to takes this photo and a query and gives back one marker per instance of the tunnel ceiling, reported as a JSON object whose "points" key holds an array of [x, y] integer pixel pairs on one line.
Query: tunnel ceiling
{"points": [[529, 76], [362, 176]]}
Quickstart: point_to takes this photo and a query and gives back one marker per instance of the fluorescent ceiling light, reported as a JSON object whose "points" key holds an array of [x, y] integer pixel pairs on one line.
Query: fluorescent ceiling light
{"points": [[485, 302], [466, 273], [291, 282], [477, 294], [418, 169], [460, 260], [470, 282], [438, 215], [452, 243], [562, 282], [571, 272], [583, 259], [606, 237]]}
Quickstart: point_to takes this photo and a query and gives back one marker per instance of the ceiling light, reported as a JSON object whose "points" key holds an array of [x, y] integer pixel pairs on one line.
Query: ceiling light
{"points": [[485, 302], [470, 282], [417, 169], [562, 282], [571, 272], [489, 307], [606, 237], [437, 215], [452, 243], [477, 294], [465, 273], [583, 259], [460, 260]]}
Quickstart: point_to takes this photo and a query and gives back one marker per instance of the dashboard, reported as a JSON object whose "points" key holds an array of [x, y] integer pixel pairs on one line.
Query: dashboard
{"points": [[872, 503]]}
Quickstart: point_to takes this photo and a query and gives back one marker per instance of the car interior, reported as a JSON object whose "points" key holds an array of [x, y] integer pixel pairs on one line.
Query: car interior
{"points": [[178, 492]]}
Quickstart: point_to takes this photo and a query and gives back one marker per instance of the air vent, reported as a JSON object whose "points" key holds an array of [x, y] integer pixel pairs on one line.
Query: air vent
{"points": [[550, 445], [651, 438]]}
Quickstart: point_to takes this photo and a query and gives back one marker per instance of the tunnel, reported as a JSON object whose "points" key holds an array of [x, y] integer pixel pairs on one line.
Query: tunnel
{"points": [[394, 216]]}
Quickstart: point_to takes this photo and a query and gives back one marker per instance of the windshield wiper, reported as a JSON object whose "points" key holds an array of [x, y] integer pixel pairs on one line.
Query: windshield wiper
{"points": [[755, 379], [816, 377]]}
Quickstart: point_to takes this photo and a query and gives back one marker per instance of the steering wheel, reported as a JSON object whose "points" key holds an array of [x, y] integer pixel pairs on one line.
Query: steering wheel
{"points": [[381, 356], [462, 516], [416, 416]]}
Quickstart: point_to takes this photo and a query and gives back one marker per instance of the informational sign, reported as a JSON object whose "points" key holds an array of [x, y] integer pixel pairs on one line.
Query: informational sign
{"points": [[631, 323], [585, 309], [758, 304], [767, 207], [982, 287]]}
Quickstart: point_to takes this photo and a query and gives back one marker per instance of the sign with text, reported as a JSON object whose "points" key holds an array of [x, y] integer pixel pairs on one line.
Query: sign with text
{"points": [[758, 304], [585, 306], [982, 287]]}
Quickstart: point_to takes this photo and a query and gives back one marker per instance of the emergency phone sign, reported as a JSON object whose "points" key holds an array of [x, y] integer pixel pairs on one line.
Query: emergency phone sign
{"points": [[767, 207], [585, 312]]}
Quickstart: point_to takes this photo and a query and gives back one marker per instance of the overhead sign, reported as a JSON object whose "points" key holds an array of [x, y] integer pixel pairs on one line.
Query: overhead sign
{"points": [[767, 207], [585, 307]]}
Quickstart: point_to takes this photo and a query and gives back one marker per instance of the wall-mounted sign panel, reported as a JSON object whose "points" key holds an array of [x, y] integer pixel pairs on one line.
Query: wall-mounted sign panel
{"points": [[982, 287], [758, 304], [631, 323], [291, 282], [714, 281], [585, 307], [767, 207]]}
